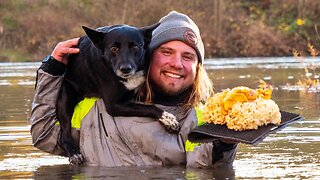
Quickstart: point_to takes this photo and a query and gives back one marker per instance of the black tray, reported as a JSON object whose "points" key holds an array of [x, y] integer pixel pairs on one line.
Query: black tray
{"points": [[209, 132]]}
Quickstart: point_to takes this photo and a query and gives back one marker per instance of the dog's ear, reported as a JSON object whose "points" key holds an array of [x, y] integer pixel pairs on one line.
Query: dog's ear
{"points": [[147, 32], [95, 36]]}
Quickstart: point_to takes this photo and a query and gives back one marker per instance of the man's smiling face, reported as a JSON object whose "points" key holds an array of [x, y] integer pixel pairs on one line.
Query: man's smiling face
{"points": [[173, 67]]}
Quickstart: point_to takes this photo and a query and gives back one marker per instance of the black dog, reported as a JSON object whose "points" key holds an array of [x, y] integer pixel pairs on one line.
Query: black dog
{"points": [[110, 65]]}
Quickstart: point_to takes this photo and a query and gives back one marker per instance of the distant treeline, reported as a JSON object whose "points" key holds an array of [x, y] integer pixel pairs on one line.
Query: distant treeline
{"points": [[29, 29]]}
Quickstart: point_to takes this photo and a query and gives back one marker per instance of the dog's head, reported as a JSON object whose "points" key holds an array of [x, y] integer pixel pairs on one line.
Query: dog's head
{"points": [[122, 47]]}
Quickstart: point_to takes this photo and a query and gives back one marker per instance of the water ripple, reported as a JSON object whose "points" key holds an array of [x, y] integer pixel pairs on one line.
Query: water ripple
{"points": [[16, 82], [30, 163], [260, 62]]}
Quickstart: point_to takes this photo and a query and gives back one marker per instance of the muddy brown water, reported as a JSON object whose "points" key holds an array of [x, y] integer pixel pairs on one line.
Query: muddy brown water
{"points": [[291, 153]]}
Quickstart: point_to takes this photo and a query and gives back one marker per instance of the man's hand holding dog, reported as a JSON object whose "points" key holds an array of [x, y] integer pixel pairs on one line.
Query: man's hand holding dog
{"points": [[64, 48]]}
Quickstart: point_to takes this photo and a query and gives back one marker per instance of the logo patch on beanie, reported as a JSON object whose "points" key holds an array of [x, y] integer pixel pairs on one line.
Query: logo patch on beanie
{"points": [[190, 37]]}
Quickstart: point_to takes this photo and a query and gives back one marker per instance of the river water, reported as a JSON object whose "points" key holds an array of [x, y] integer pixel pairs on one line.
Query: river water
{"points": [[292, 153]]}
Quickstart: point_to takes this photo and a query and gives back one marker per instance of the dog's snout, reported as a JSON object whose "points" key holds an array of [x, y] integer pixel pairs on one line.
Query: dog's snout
{"points": [[126, 69]]}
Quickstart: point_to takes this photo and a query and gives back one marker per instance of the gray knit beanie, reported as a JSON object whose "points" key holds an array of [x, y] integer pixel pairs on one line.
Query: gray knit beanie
{"points": [[177, 26]]}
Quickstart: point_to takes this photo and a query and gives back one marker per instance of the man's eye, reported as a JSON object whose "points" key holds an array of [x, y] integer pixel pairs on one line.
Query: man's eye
{"points": [[166, 53], [188, 57], [114, 49]]}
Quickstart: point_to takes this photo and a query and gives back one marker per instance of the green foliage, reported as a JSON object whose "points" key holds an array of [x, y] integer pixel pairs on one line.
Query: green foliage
{"points": [[15, 5], [14, 56], [9, 23]]}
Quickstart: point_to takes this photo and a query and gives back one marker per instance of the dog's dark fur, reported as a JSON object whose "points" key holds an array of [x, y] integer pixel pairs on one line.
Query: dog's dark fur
{"points": [[111, 59]]}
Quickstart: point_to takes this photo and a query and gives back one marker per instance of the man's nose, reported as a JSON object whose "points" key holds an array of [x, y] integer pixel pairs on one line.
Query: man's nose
{"points": [[176, 62]]}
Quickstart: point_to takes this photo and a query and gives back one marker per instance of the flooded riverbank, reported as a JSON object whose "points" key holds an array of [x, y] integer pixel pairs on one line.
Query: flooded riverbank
{"points": [[291, 153]]}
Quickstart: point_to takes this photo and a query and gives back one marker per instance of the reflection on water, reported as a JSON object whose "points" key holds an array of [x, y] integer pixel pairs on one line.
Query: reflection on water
{"points": [[291, 153], [176, 172]]}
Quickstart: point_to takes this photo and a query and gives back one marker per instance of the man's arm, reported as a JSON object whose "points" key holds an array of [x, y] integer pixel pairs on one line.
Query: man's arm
{"points": [[215, 154], [44, 130], [223, 154]]}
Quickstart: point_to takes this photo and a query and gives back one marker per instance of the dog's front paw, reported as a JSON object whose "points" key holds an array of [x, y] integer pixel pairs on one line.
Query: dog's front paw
{"points": [[170, 122], [76, 159]]}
